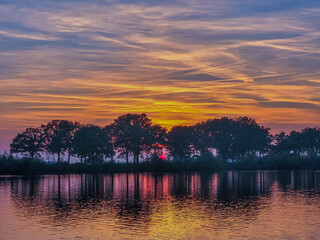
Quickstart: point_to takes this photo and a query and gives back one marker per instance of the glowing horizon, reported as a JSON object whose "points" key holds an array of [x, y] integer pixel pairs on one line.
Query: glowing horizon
{"points": [[180, 62]]}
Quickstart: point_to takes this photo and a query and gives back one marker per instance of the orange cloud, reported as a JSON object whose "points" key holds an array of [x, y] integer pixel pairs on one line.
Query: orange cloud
{"points": [[180, 64]]}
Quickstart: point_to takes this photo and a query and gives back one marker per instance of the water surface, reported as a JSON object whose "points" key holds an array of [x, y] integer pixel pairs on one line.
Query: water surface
{"points": [[223, 205]]}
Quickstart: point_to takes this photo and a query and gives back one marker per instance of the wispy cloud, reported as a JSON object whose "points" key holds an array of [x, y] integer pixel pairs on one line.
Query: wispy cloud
{"points": [[39, 37], [178, 61]]}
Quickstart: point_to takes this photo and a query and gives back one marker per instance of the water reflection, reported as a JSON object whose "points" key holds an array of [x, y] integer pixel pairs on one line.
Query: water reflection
{"points": [[151, 205], [144, 188]]}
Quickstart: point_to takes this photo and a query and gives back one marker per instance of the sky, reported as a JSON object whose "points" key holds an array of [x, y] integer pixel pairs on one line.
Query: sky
{"points": [[179, 61]]}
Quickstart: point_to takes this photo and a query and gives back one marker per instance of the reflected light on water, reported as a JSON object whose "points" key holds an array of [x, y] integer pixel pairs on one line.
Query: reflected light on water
{"points": [[224, 205]]}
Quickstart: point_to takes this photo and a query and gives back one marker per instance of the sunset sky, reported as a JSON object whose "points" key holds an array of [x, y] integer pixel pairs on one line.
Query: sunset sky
{"points": [[178, 61]]}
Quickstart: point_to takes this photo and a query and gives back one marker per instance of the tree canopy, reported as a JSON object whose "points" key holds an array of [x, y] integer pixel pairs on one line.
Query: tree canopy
{"points": [[136, 135], [29, 142], [59, 136]]}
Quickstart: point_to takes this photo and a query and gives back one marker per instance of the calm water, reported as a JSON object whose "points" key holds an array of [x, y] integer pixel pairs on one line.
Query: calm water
{"points": [[225, 205]]}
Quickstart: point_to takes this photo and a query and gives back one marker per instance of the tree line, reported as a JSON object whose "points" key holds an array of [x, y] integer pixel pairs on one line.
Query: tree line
{"points": [[134, 135]]}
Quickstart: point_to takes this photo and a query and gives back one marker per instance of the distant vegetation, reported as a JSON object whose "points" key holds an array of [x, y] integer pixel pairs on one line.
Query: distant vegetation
{"points": [[225, 143]]}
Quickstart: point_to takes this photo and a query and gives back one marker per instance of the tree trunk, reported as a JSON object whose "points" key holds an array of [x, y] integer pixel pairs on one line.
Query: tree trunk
{"points": [[154, 153], [69, 154], [127, 157]]}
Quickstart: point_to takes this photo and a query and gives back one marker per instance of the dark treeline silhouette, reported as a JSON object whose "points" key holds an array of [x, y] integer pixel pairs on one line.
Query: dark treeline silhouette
{"points": [[233, 143]]}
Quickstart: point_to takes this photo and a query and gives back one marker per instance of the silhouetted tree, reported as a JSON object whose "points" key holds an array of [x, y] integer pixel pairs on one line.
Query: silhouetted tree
{"points": [[59, 135], [89, 143], [202, 139], [132, 134], [30, 142], [180, 142], [222, 136], [158, 140], [298, 142], [295, 141], [249, 137], [108, 142], [72, 128], [234, 138], [311, 139], [281, 143]]}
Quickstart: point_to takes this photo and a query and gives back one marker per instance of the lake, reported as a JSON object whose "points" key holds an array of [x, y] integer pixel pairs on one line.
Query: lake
{"points": [[222, 205]]}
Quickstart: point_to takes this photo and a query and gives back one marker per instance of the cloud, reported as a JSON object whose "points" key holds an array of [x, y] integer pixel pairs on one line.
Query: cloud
{"points": [[179, 61], [187, 76], [39, 37], [284, 104], [122, 43]]}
